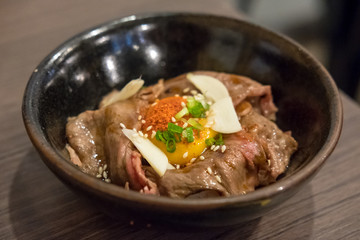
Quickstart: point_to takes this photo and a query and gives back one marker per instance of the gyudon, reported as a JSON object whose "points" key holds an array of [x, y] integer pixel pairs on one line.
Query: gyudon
{"points": [[199, 134]]}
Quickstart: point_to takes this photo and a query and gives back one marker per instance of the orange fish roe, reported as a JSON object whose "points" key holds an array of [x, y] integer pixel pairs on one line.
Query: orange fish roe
{"points": [[160, 114]]}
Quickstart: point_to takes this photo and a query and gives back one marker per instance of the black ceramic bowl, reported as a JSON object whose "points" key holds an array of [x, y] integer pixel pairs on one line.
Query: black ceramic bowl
{"points": [[75, 76]]}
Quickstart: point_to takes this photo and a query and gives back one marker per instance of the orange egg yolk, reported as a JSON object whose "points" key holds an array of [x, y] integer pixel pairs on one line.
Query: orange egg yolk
{"points": [[157, 118]]}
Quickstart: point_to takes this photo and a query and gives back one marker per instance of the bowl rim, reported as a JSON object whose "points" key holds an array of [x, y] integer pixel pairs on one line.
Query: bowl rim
{"points": [[66, 169]]}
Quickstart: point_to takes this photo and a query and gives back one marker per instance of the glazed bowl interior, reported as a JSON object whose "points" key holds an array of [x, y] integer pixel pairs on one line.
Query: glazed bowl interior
{"points": [[75, 76]]}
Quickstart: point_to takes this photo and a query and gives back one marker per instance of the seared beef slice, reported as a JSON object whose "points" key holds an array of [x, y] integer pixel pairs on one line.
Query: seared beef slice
{"points": [[96, 136], [255, 156]]}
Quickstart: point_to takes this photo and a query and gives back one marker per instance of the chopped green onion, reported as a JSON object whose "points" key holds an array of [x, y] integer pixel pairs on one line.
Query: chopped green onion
{"points": [[167, 135], [174, 128], [190, 102], [209, 141], [205, 105], [169, 138], [182, 113], [196, 109], [177, 137], [159, 136], [219, 140], [189, 134], [194, 123], [171, 145]]}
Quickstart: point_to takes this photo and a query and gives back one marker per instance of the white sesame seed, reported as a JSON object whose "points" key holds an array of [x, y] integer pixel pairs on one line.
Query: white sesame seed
{"points": [[173, 119], [185, 155], [153, 134], [122, 125], [143, 121], [202, 157], [154, 104], [105, 174], [177, 166], [209, 170], [193, 92], [212, 147], [146, 188], [218, 178], [186, 90], [98, 176], [146, 135], [185, 125], [100, 170], [216, 148], [141, 133], [149, 128], [135, 129], [108, 180], [183, 104], [223, 148], [105, 166], [139, 117], [268, 161], [192, 160], [209, 102], [177, 95]]}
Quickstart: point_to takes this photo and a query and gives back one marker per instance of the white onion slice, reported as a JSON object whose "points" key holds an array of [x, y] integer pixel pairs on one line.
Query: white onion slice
{"points": [[222, 117], [212, 88], [155, 157], [126, 92]]}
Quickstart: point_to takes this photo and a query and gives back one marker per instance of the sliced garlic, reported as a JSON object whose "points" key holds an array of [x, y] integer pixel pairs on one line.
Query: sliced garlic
{"points": [[223, 116], [126, 92], [211, 87], [153, 155], [169, 166]]}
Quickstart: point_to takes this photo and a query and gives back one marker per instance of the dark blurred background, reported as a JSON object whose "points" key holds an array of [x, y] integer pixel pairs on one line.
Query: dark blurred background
{"points": [[329, 29]]}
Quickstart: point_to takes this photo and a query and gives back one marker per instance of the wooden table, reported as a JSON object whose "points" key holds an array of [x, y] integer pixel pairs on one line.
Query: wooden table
{"points": [[34, 204]]}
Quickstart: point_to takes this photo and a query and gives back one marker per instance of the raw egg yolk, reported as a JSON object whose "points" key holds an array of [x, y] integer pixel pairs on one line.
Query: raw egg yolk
{"points": [[157, 118], [186, 151]]}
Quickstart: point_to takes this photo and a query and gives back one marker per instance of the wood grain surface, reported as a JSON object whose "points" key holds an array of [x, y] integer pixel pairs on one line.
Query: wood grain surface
{"points": [[34, 204]]}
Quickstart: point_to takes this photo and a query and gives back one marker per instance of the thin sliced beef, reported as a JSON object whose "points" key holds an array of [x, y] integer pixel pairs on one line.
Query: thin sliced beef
{"points": [[138, 180], [117, 146], [85, 134], [226, 173], [254, 156], [96, 137], [278, 145]]}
